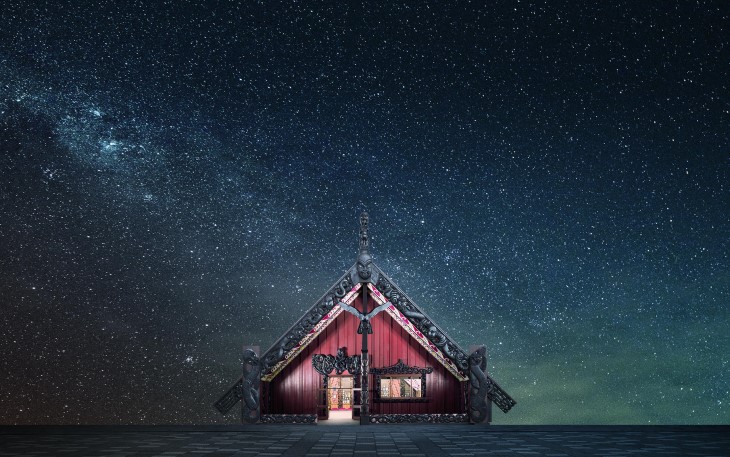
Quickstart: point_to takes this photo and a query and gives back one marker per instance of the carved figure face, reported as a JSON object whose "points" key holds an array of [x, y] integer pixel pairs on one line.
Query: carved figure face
{"points": [[363, 266], [434, 335]]}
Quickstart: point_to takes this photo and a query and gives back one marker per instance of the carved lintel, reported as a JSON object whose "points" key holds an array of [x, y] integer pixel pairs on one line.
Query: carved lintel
{"points": [[341, 360], [325, 364], [401, 368]]}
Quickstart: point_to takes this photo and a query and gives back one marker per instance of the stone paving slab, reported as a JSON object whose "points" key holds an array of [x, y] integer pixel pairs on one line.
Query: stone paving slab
{"points": [[376, 440]]}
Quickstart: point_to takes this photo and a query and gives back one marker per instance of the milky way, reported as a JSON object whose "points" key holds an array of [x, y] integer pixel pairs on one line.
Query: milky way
{"points": [[179, 180]]}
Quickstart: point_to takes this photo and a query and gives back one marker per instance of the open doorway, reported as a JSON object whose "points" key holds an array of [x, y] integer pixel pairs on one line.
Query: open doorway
{"points": [[339, 396], [341, 401]]}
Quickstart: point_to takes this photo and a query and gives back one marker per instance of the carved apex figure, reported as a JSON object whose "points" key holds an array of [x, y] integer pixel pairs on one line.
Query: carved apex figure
{"points": [[364, 237], [365, 270], [364, 262]]}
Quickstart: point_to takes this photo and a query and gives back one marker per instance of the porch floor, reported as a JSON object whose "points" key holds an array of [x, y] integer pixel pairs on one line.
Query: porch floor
{"points": [[341, 417]]}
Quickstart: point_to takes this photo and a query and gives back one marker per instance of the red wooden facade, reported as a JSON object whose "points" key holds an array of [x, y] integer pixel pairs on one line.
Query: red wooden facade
{"points": [[294, 390], [404, 368]]}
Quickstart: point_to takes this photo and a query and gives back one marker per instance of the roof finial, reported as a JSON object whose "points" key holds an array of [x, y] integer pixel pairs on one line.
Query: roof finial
{"points": [[364, 237], [363, 267]]}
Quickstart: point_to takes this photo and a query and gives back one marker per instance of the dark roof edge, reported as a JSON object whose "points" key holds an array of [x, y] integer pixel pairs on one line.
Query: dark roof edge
{"points": [[449, 339], [319, 305]]}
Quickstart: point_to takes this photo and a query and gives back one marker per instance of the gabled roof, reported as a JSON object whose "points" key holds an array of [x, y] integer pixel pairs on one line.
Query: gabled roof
{"points": [[402, 309]]}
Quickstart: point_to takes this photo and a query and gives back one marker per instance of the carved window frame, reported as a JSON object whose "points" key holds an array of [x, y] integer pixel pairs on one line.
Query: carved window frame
{"points": [[400, 369]]}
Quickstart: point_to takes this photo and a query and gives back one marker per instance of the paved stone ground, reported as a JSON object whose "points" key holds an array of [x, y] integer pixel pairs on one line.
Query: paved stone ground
{"points": [[393, 440]]}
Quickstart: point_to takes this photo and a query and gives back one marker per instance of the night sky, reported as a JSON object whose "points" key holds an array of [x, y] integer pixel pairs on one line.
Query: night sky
{"points": [[179, 179]]}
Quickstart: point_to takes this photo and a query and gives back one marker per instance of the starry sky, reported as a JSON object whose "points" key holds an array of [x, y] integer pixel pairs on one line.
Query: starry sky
{"points": [[178, 179]]}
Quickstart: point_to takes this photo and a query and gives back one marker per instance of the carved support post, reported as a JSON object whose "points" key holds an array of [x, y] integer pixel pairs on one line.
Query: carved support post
{"points": [[365, 395], [364, 273], [479, 406], [324, 399], [249, 390]]}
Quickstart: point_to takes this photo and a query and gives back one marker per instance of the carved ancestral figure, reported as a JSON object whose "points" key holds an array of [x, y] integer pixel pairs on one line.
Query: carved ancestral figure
{"points": [[249, 390]]}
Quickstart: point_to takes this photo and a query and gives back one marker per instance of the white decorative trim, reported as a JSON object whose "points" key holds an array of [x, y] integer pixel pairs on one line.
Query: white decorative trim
{"points": [[417, 335], [316, 330]]}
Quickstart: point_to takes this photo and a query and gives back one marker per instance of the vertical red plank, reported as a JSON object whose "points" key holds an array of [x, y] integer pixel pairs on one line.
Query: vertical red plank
{"points": [[306, 377]]}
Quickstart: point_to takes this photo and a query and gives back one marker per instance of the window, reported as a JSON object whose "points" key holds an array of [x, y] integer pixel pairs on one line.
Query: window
{"points": [[400, 383], [400, 387]]}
